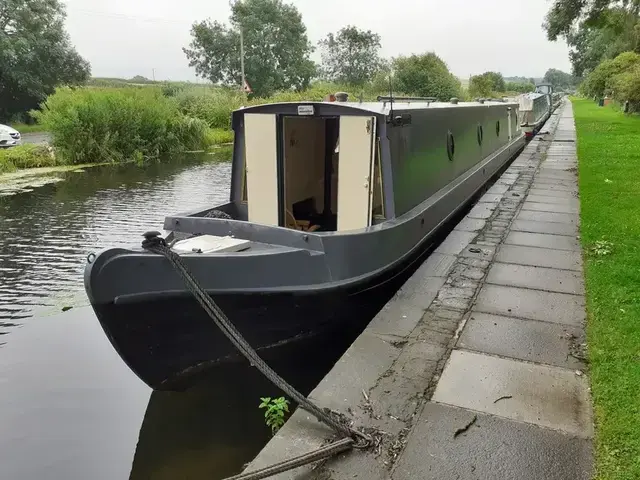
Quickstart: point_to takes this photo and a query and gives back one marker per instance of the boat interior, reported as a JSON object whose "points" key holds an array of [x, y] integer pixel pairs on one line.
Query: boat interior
{"points": [[312, 173]]}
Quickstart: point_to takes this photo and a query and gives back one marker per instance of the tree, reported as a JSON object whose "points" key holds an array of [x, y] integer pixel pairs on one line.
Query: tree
{"points": [[559, 79], [594, 30], [35, 55], [486, 84], [425, 75], [480, 86], [497, 81], [350, 56], [276, 47]]}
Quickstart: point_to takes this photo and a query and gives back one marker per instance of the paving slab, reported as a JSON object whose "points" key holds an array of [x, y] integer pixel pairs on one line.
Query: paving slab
{"points": [[482, 210], [555, 183], [542, 240], [455, 242], [545, 227], [537, 278], [419, 290], [550, 207], [437, 265], [540, 192], [490, 198], [548, 217], [527, 340], [543, 395], [498, 188], [540, 257], [518, 302], [550, 185], [471, 224], [569, 200], [555, 174], [396, 319], [481, 252], [493, 448]]}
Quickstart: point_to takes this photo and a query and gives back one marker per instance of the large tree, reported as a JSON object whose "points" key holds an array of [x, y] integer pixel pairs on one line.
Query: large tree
{"points": [[425, 75], [35, 54], [351, 55], [275, 42]]}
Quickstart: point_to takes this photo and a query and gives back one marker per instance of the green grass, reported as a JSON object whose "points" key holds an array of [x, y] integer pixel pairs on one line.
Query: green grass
{"points": [[25, 128], [609, 156], [25, 156], [220, 136]]}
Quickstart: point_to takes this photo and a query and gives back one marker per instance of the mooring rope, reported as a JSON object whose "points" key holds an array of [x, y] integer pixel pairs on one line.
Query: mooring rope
{"points": [[153, 242]]}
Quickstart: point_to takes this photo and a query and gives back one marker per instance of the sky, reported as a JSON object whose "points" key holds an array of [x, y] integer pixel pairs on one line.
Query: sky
{"points": [[124, 38]]}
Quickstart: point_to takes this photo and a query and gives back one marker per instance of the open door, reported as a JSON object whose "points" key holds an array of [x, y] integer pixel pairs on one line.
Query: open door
{"points": [[261, 162], [355, 172]]}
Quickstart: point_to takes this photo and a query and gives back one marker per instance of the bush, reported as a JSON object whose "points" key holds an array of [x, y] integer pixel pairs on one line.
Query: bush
{"points": [[118, 124], [26, 156], [213, 105], [519, 87], [425, 75], [626, 87], [600, 81]]}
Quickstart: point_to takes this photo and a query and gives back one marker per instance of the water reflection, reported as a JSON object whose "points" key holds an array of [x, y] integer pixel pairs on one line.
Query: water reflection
{"points": [[46, 234], [210, 431], [71, 409]]}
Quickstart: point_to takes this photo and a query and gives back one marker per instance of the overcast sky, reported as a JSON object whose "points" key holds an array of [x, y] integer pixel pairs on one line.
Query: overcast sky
{"points": [[123, 38]]}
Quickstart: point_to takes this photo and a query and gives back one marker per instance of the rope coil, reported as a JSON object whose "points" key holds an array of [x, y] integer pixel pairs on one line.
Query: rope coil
{"points": [[154, 243]]}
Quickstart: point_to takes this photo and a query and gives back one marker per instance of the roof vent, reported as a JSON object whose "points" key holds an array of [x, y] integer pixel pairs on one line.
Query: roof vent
{"points": [[342, 96]]}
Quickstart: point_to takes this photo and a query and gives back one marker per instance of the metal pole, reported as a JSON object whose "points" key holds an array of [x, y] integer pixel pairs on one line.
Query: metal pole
{"points": [[241, 60]]}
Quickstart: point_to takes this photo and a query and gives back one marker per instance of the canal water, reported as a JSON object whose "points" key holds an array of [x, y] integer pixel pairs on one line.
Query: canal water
{"points": [[69, 407]]}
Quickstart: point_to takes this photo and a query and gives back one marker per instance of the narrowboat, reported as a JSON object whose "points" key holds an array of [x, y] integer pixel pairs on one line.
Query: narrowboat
{"points": [[328, 202], [536, 107]]}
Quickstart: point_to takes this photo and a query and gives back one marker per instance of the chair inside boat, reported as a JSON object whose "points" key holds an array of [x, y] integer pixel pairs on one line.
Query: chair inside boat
{"points": [[320, 178]]}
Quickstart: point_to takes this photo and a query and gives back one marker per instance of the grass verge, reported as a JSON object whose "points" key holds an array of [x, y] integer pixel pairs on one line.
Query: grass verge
{"points": [[609, 156], [25, 128]]}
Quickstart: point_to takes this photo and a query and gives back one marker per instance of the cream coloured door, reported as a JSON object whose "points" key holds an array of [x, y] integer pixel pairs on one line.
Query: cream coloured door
{"points": [[355, 172], [261, 161]]}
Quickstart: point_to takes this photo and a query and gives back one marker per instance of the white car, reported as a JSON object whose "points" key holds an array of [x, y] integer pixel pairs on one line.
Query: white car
{"points": [[9, 137]]}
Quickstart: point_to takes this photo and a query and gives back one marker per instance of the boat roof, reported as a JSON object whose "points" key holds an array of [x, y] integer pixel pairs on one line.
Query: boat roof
{"points": [[379, 107]]}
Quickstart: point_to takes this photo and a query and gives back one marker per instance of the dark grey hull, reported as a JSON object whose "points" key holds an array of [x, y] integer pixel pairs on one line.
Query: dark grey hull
{"points": [[291, 285]]}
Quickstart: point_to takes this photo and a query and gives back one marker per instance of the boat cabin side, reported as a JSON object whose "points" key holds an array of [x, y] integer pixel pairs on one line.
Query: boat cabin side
{"points": [[315, 167]]}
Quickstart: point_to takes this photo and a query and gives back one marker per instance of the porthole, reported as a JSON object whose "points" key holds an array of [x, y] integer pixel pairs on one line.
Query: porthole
{"points": [[451, 145], [480, 134], [498, 128]]}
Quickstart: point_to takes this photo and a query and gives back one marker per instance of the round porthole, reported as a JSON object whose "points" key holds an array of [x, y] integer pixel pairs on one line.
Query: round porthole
{"points": [[498, 128], [480, 134], [451, 145]]}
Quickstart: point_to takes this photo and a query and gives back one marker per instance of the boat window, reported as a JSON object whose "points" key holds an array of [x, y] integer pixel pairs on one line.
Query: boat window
{"points": [[498, 128], [480, 134], [451, 145]]}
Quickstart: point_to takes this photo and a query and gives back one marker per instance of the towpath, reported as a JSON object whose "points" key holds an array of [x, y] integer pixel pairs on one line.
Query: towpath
{"points": [[474, 370]]}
